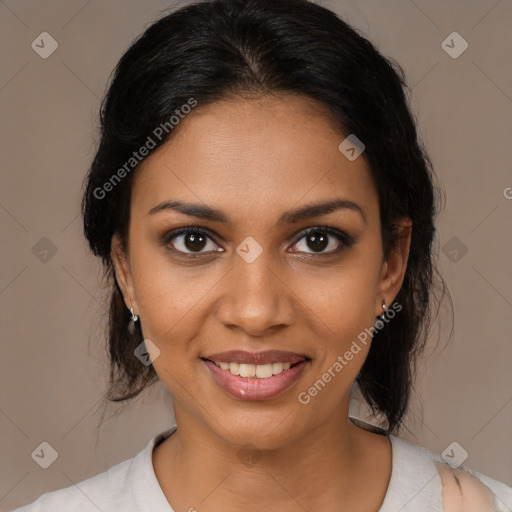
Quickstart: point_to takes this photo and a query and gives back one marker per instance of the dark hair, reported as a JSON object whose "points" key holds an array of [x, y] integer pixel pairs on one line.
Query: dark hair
{"points": [[222, 48]]}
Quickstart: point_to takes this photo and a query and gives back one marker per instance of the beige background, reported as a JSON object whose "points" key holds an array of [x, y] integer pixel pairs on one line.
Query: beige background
{"points": [[53, 365]]}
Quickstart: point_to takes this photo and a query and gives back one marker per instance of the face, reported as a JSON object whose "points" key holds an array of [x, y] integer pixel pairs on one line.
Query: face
{"points": [[257, 268]]}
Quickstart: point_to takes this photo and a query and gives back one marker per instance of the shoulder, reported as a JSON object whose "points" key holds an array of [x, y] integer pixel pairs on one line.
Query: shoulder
{"points": [[100, 492], [130, 486], [434, 483], [464, 490]]}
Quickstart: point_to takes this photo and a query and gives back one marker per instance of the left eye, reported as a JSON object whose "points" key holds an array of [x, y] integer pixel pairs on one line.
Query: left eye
{"points": [[321, 241]]}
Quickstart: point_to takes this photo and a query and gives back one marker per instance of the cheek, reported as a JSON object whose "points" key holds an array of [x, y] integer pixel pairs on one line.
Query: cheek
{"points": [[343, 296], [166, 289], [168, 297], [345, 303]]}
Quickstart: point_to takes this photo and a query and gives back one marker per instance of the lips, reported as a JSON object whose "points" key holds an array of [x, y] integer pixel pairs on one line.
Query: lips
{"points": [[246, 375]]}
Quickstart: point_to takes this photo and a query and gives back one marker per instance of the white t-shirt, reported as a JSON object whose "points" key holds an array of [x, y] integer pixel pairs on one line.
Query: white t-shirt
{"points": [[132, 486]]}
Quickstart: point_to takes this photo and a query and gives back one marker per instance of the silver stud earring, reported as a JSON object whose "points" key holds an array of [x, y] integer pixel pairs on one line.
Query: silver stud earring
{"points": [[384, 307], [131, 323]]}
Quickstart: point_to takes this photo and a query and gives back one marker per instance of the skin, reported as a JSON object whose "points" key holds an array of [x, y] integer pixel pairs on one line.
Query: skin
{"points": [[462, 492], [255, 159]]}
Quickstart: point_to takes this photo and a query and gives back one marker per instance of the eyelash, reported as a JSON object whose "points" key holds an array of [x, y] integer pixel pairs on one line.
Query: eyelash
{"points": [[345, 240]]}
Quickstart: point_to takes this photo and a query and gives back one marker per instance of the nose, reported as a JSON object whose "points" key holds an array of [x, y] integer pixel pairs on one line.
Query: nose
{"points": [[255, 297]]}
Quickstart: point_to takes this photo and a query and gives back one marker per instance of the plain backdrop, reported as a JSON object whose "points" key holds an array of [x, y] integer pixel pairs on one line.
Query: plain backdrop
{"points": [[54, 365]]}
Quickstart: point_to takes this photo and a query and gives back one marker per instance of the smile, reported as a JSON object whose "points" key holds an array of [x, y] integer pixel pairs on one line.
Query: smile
{"points": [[256, 376]]}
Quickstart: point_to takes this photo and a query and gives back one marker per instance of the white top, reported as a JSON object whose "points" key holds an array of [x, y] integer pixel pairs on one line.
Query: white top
{"points": [[132, 486]]}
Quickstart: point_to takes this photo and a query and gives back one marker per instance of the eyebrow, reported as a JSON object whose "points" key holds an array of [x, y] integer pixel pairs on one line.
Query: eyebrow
{"points": [[304, 212]]}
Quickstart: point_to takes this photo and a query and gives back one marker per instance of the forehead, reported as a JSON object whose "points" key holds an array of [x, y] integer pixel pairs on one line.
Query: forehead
{"points": [[254, 155]]}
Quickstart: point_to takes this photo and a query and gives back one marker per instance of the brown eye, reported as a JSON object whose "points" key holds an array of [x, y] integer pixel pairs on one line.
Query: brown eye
{"points": [[322, 240], [190, 241], [318, 242]]}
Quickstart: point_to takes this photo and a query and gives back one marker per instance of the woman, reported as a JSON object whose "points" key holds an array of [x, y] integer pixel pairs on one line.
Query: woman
{"points": [[265, 211]]}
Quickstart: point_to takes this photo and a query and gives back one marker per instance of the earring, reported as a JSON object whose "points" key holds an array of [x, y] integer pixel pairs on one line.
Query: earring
{"points": [[384, 306], [131, 323]]}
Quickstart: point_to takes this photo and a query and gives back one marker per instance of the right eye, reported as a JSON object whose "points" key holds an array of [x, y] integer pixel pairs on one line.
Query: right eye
{"points": [[190, 241]]}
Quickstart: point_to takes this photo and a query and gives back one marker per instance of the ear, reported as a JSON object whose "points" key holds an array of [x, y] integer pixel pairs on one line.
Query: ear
{"points": [[123, 272], [393, 269]]}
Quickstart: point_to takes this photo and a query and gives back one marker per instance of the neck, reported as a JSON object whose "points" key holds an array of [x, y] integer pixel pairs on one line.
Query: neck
{"points": [[209, 475]]}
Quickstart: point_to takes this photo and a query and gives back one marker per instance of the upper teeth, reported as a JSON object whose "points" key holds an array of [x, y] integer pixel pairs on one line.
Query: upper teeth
{"points": [[261, 371]]}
